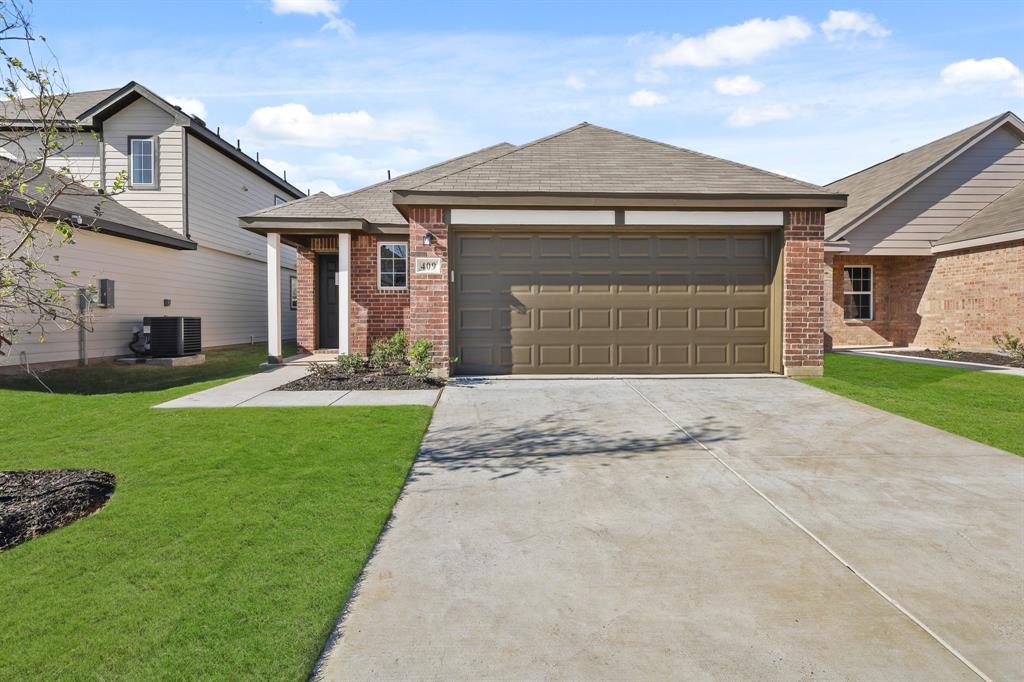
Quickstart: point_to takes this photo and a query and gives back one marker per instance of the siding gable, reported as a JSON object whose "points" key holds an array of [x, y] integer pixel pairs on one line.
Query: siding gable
{"points": [[141, 118], [944, 201]]}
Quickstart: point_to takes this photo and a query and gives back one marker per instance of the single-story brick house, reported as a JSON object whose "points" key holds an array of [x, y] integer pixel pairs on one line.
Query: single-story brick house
{"points": [[589, 251], [931, 243]]}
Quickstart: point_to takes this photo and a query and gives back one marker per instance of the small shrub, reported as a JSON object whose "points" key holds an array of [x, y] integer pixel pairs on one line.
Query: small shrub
{"points": [[321, 370], [389, 353], [1011, 345], [419, 357], [351, 363], [949, 347]]}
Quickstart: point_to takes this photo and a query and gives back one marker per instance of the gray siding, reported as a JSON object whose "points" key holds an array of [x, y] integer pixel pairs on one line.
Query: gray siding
{"points": [[82, 157], [220, 190], [141, 118], [941, 203], [228, 292]]}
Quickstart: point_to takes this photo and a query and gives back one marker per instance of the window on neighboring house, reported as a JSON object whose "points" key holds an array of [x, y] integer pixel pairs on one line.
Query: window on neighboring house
{"points": [[393, 266], [278, 200], [858, 293], [142, 161], [293, 292]]}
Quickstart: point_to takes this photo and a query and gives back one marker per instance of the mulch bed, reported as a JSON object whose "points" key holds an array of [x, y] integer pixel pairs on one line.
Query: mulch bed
{"points": [[34, 502], [363, 381], [965, 356]]}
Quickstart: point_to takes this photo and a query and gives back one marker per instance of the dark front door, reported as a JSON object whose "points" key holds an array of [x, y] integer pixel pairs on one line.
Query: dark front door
{"points": [[327, 301]]}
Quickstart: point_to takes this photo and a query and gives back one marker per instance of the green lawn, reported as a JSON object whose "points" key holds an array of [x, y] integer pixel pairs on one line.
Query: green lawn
{"points": [[988, 408], [230, 544]]}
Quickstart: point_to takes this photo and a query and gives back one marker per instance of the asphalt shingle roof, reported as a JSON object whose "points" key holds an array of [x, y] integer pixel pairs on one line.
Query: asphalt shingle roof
{"points": [[1005, 214], [374, 202], [590, 159], [316, 206], [74, 104], [872, 185]]}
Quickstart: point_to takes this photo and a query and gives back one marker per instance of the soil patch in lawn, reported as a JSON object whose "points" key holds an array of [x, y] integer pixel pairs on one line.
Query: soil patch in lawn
{"points": [[965, 356], [35, 502], [363, 381]]}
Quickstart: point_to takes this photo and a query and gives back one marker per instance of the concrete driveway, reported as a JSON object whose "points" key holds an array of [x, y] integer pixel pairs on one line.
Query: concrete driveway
{"points": [[693, 529]]}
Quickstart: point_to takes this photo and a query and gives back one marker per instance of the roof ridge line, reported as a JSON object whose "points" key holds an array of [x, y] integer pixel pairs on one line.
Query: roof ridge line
{"points": [[421, 170], [582, 124], [709, 156]]}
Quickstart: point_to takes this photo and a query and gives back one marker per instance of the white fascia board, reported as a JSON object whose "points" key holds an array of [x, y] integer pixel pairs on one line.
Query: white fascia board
{"points": [[979, 241], [746, 218], [484, 216]]}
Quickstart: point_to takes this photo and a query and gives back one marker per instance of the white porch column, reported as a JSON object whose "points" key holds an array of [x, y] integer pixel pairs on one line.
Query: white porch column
{"points": [[344, 288], [274, 351]]}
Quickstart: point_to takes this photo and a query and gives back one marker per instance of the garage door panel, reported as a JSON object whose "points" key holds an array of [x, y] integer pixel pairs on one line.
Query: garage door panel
{"points": [[599, 303]]}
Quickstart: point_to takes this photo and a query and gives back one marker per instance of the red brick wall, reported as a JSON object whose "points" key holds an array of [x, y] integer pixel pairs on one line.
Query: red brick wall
{"points": [[305, 313], [899, 283], [373, 314], [428, 313], [804, 293], [974, 293]]}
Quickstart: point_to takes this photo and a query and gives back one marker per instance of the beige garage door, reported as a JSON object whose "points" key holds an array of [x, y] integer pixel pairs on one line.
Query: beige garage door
{"points": [[581, 303]]}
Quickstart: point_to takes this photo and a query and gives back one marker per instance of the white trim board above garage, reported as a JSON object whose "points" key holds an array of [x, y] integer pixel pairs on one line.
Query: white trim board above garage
{"points": [[478, 216]]}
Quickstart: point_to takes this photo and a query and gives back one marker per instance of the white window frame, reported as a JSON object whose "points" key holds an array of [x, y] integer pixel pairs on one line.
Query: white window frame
{"points": [[152, 139], [293, 292], [870, 293], [380, 248]]}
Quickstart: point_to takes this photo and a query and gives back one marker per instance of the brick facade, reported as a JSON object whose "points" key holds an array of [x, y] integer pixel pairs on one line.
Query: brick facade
{"points": [[975, 294], [373, 313], [305, 313], [428, 314], [803, 316]]}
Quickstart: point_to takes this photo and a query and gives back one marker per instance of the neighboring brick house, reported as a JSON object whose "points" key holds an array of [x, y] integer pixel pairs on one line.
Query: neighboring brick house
{"points": [[931, 243], [589, 251]]}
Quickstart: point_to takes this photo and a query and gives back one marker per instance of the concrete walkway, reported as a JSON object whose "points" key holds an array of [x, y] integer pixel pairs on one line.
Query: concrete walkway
{"points": [[955, 364], [698, 530], [258, 391]]}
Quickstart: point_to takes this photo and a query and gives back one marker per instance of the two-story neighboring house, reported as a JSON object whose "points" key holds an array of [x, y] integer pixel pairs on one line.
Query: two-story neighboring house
{"points": [[170, 241]]}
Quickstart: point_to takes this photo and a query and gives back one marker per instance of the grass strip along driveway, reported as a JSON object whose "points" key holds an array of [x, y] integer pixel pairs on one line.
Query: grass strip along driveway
{"points": [[986, 407], [230, 543]]}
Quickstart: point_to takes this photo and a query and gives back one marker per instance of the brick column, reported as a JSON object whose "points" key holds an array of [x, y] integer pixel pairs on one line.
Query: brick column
{"points": [[803, 319], [305, 288], [428, 293]]}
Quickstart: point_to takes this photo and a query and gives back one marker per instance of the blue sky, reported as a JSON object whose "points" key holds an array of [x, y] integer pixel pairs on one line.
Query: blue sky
{"points": [[338, 93]]}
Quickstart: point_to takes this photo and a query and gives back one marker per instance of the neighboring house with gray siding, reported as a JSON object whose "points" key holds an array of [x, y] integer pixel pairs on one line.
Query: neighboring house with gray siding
{"points": [[931, 243], [171, 240]]}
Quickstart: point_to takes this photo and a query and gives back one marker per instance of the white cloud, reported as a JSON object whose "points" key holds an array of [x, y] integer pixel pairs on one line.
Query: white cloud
{"points": [[748, 116], [646, 98], [972, 71], [575, 83], [190, 105], [740, 44], [845, 24], [296, 124], [329, 9], [738, 85]]}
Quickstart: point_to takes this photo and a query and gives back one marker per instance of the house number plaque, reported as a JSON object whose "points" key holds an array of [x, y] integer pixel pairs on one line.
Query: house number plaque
{"points": [[428, 266]]}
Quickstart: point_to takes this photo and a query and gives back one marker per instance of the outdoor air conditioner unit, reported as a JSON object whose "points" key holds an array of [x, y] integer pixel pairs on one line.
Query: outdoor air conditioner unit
{"points": [[171, 337]]}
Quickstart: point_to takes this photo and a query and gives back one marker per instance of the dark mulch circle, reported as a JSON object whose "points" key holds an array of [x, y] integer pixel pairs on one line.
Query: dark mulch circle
{"points": [[34, 502], [362, 381], [983, 358]]}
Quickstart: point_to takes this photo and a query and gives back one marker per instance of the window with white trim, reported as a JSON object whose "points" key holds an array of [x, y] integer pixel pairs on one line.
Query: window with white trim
{"points": [[279, 200], [858, 293], [293, 292], [393, 265], [142, 161]]}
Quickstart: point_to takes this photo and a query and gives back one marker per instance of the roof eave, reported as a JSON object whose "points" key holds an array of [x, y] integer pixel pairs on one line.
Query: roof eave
{"points": [[987, 240], [421, 198], [297, 226]]}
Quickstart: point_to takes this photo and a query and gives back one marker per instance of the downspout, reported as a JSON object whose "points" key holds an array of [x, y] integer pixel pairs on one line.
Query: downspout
{"points": [[184, 180]]}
